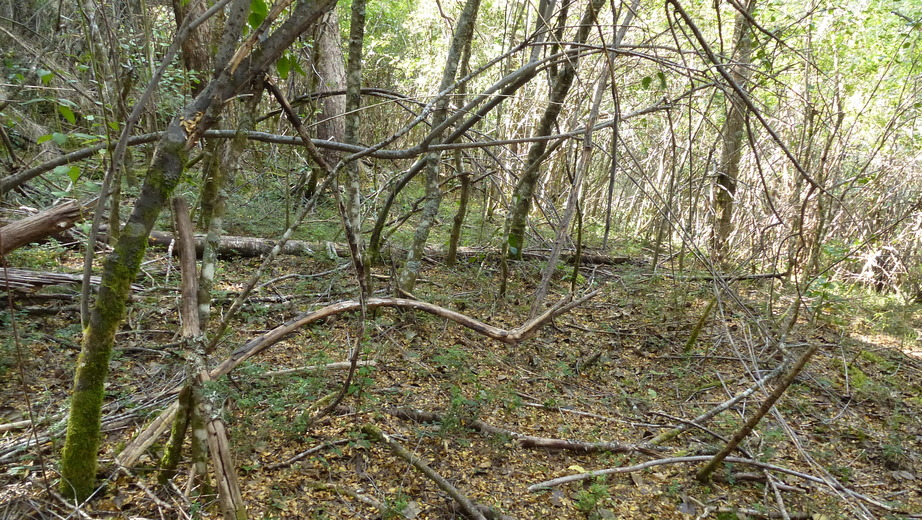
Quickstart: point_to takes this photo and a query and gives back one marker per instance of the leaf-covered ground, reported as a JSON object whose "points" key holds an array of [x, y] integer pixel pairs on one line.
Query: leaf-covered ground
{"points": [[612, 370]]}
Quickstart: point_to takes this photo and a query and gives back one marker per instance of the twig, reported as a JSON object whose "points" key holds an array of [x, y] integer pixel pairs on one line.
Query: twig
{"points": [[469, 508], [700, 458], [339, 365], [365, 499], [727, 277], [15, 425], [305, 453], [527, 441], [726, 405], [762, 514], [747, 428], [582, 413]]}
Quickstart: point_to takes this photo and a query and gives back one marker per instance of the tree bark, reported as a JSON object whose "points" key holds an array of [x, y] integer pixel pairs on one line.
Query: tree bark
{"points": [[79, 459], [733, 130], [196, 49], [351, 207], [330, 75], [464, 31], [525, 188], [464, 177], [215, 198]]}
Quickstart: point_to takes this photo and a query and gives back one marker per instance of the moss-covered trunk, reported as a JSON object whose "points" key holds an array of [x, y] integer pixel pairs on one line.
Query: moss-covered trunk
{"points": [[78, 464], [79, 459]]}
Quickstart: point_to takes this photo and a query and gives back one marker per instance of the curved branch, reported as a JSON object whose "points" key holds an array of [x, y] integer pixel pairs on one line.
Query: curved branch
{"points": [[526, 331]]}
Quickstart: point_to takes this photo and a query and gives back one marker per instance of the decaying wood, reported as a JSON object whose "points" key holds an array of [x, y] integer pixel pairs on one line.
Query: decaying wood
{"points": [[225, 471], [729, 277], [470, 510], [15, 425], [735, 511], [526, 331], [189, 301], [722, 407], [736, 460], [528, 441], [26, 280], [305, 453], [365, 499], [240, 246], [41, 225], [134, 449]]}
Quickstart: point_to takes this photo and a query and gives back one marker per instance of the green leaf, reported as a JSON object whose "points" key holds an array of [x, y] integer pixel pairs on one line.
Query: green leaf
{"points": [[662, 80], [45, 75], [67, 102], [296, 66], [59, 138], [258, 12], [67, 113], [283, 66], [44, 139], [71, 171], [113, 125], [646, 81]]}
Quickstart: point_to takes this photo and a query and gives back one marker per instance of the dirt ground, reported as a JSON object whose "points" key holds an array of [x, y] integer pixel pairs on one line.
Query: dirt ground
{"points": [[618, 369]]}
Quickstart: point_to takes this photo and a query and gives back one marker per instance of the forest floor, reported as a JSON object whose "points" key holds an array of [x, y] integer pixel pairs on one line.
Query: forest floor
{"points": [[614, 369]]}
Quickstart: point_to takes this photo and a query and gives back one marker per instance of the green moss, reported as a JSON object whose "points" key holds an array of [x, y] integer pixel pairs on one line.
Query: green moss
{"points": [[882, 363], [79, 459]]}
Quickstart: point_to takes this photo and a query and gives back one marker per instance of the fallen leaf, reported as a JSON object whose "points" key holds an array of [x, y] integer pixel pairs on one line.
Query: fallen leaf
{"points": [[411, 511], [902, 475], [557, 497]]}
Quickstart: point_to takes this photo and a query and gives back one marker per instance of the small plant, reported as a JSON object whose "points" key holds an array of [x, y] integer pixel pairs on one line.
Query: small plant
{"points": [[827, 304], [592, 497], [396, 506], [49, 255]]}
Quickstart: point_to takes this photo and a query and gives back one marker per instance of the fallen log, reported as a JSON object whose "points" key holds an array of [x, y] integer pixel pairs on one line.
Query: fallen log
{"points": [[255, 246], [36, 227], [25, 280], [237, 246]]}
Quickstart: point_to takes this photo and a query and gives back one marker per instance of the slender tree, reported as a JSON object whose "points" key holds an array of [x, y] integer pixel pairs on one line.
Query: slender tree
{"points": [[732, 133], [79, 459], [525, 188], [464, 31]]}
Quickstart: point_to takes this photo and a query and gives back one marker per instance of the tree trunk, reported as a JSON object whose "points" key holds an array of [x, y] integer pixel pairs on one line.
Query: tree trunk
{"points": [[214, 200], [463, 33], [465, 177], [330, 76], [525, 188], [582, 170], [351, 208], [733, 131], [196, 50], [79, 459]]}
